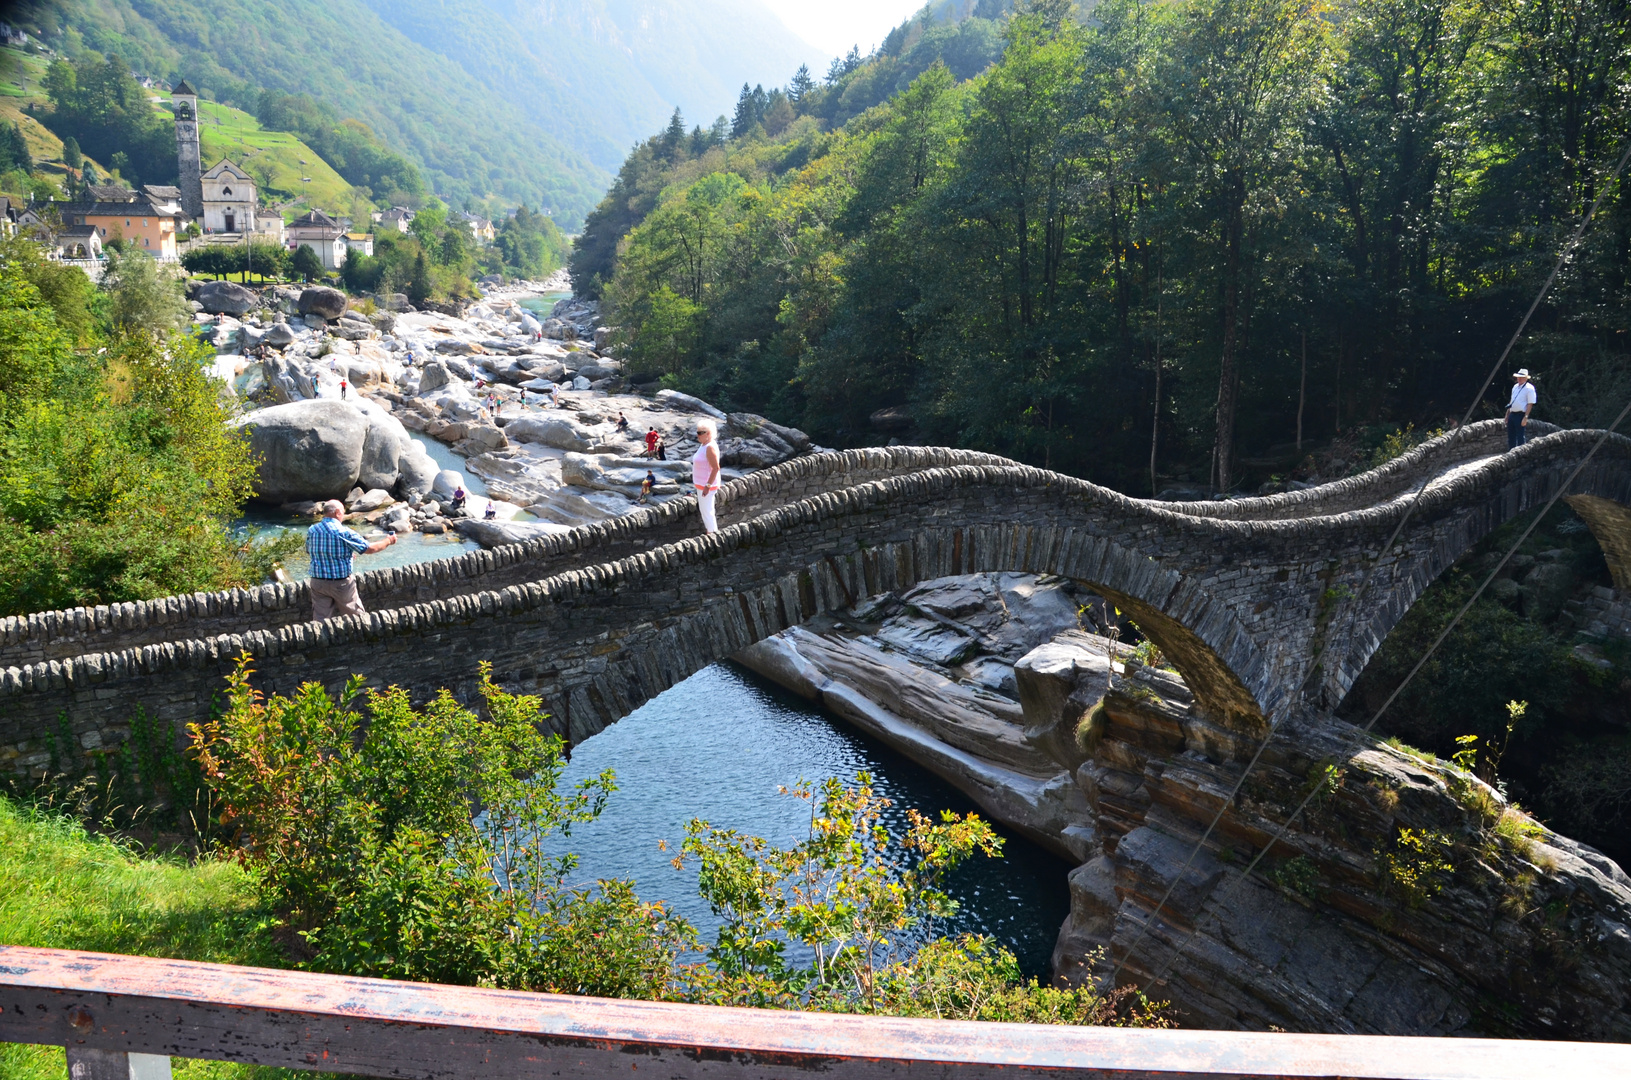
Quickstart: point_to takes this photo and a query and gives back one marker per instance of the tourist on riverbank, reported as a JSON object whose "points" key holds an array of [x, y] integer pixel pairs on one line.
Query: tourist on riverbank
{"points": [[646, 486], [332, 546], [662, 450], [1519, 408], [651, 442], [705, 472]]}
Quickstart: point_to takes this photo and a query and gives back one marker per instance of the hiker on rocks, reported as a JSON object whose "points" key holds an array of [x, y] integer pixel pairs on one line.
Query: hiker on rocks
{"points": [[1519, 408], [342, 389], [647, 485], [332, 546], [662, 450], [651, 443], [555, 395], [622, 423], [705, 472], [459, 496]]}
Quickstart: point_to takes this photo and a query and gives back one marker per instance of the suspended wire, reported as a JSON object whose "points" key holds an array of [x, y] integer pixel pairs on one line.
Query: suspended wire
{"points": [[1421, 663], [1366, 575]]}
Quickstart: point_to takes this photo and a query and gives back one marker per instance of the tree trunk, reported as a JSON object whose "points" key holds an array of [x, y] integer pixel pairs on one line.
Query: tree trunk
{"points": [[1155, 423], [1302, 394], [1228, 375]]}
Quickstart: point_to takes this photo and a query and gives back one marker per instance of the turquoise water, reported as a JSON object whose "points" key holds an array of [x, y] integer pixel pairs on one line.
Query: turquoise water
{"points": [[542, 304], [719, 746]]}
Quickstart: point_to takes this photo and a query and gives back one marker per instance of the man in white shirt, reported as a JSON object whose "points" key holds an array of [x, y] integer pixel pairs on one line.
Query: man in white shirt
{"points": [[1518, 409]]}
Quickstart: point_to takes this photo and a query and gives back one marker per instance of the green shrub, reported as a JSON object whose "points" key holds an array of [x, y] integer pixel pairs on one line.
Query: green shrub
{"points": [[1415, 866], [364, 835]]}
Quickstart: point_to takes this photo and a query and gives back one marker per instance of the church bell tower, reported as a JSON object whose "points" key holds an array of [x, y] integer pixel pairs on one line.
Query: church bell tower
{"points": [[189, 160]]}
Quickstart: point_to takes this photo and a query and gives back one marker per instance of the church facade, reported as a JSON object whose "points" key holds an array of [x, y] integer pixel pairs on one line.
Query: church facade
{"points": [[222, 199], [228, 200]]}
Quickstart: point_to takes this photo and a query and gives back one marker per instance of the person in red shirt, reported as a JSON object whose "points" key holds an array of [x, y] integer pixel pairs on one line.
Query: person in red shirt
{"points": [[651, 443]]}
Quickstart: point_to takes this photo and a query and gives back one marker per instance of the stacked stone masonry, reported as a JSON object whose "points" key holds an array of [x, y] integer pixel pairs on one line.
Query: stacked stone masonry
{"points": [[604, 618]]}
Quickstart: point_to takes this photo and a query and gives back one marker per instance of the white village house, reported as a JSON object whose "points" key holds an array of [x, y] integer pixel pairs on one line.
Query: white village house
{"points": [[323, 234]]}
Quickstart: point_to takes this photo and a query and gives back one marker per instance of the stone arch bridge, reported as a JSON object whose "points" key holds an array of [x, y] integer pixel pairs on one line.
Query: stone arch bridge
{"points": [[1240, 595]]}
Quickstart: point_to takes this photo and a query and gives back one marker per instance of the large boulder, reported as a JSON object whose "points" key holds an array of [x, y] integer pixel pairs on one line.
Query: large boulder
{"points": [[416, 472], [322, 301], [623, 475], [433, 376], [686, 403], [491, 534], [383, 448], [554, 431], [307, 449], [448, 481], [226, 298]]}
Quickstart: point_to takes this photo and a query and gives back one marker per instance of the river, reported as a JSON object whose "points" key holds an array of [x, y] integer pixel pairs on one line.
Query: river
{"points": [[719, 746]]}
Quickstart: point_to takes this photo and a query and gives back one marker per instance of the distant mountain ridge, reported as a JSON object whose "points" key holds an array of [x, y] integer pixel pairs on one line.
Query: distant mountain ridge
{"points": [[560, 59], [529, 100]]}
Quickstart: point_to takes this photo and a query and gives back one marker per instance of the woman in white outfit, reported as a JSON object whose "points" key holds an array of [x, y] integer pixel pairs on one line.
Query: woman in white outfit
{"points": [[705, 472]]}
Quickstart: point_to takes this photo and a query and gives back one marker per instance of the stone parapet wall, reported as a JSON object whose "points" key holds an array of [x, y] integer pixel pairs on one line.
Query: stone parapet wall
{"points": [[58, 635]]}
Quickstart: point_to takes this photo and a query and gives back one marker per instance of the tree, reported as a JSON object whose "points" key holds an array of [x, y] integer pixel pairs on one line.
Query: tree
{"points": [[14, 149], [802, 84], [745, 117], [1239, 84], [673, 138], [144, 295], [71, 156], [306, 265], [419, 285], [778, 115]]}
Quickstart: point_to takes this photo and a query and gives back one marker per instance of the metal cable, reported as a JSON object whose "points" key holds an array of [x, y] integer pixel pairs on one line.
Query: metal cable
{"points": [[1421, 663], [1365, 580]]}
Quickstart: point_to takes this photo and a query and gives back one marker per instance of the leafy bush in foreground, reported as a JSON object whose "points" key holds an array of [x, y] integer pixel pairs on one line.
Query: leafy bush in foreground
{"points": [[413, 844]]}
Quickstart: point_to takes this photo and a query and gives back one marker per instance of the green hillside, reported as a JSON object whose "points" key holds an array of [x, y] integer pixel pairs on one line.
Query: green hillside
{"points": [[520, 100], [468, 140], [276, 159]]}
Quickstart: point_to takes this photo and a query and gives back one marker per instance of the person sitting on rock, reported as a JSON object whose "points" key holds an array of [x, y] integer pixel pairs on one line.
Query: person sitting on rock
{"points": [[622, 423], [647, 485], [332, 546], [491, 512], [459, 496], [651, 442]]}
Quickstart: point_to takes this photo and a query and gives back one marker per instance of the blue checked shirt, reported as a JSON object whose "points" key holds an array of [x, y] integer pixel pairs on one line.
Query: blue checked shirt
{"points": [[331, 547]]}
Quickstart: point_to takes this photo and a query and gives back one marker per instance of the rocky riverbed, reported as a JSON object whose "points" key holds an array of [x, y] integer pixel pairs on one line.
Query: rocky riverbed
{"points": [[1407, 897], [538, 409]]}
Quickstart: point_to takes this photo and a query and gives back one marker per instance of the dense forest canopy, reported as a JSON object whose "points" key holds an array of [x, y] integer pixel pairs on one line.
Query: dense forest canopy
{"points": [[1188, 241]]}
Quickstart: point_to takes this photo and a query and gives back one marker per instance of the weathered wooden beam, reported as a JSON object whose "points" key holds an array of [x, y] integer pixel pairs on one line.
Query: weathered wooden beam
{"points": [[375, 1027]]}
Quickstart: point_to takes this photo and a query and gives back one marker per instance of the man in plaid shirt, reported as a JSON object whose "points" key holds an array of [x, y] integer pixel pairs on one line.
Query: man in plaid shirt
{"points": [[332, 546]]}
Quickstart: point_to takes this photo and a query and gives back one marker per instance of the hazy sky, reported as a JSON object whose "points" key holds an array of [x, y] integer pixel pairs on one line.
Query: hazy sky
{"points": [[835, 25]]}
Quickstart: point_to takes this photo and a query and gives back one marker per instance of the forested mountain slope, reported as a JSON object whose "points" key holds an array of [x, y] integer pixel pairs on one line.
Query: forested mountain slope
{"points": [[491, 97], [1182, 242]]}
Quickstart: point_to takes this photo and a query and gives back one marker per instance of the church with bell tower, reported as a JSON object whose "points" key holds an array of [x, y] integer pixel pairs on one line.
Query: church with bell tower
{"points": [[222, 199]]}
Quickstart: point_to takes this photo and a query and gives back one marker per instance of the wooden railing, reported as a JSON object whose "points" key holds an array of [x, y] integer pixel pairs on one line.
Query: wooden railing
{"points": [[124, 1017]]}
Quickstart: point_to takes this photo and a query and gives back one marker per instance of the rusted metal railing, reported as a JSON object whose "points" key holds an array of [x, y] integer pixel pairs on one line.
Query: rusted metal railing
{"points": [[124, 1017]]}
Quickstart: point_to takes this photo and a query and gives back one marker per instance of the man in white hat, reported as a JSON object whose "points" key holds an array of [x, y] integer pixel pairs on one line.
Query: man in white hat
{"points": [[1518, 409]]}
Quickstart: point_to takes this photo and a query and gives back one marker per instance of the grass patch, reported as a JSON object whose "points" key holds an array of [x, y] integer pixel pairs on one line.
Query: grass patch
{"points": [[272, 157], [1426, 757], [63, 888]]}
